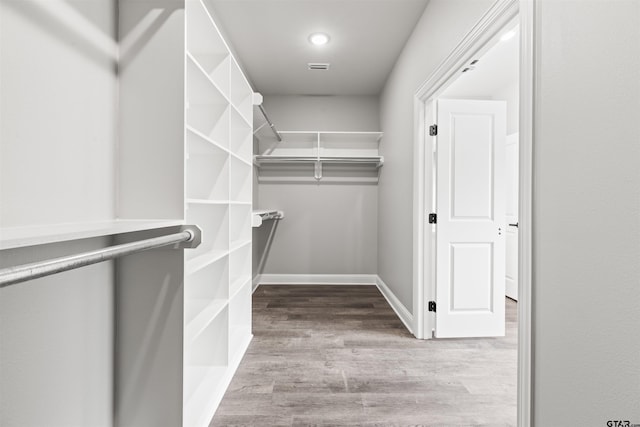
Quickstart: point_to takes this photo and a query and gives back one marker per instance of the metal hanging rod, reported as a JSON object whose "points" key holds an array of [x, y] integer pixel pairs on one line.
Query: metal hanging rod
{"points": [[270, 123], [189, 237], [378, 160]]}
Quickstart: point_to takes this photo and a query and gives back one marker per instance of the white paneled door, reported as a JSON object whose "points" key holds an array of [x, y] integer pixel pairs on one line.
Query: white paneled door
{"points": [[470, 230]]}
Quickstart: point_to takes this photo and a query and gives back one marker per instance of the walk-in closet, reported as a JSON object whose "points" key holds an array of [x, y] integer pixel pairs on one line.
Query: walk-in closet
{"points": [[319, 212], [204, 184]]}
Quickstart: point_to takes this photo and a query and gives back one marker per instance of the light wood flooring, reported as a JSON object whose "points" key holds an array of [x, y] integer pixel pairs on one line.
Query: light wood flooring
{"points": [[339, 356]]}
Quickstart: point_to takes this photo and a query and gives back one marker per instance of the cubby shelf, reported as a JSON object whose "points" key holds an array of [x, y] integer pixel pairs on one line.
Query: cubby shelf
{"points": [[241, 159], [195, 264], [239, 244], [199, 376], [216, 202], [240, 180], [207, 310], [207, 202], [196, 132], [199, 65], [239, 285], [207, 381], [201, 78]]}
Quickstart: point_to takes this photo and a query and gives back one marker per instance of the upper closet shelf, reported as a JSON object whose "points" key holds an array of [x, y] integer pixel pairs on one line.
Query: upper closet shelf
{"points": [[351, 155], [16, 237]]}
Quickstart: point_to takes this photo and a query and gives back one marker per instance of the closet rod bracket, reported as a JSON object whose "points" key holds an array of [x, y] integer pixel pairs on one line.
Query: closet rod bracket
{"points": [[194, 241], [317, 174]]}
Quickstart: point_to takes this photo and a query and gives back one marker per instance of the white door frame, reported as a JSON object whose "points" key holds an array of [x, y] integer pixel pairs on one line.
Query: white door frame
{"points": [[499, 15]]}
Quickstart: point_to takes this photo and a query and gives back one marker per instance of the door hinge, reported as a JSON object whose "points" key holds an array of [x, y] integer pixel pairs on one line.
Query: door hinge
{"points": [[433, 130], [432, 306], [433, 218]]}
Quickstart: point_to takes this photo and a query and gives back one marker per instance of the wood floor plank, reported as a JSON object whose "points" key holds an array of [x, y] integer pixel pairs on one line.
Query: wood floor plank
{"points": [[339, 356]]}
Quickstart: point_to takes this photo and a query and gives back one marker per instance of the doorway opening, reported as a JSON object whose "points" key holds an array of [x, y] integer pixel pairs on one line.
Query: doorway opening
{"points": [[474, 189], [466, 59]]}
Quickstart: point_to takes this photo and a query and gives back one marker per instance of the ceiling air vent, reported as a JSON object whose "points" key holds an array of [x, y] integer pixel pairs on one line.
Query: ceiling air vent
{"points": [[318, 65]]}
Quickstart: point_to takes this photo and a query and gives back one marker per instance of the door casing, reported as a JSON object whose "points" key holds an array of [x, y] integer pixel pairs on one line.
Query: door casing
{"points": [[511, 266]]}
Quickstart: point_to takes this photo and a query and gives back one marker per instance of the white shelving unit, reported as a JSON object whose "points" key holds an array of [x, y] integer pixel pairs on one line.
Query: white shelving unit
{"points": [[345, 155], [217, 286]]}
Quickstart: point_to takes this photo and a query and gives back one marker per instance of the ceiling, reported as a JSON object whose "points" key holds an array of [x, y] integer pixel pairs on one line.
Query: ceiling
{"points": [[270, 40], [495, 69]]}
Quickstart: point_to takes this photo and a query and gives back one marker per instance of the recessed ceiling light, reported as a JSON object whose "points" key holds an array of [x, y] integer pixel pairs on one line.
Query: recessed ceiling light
{"points": [[319, 39], [508, 35]]}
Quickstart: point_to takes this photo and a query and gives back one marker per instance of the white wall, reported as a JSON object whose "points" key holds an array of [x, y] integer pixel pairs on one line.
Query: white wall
{"points": [[151, 71], [586, 289], [57, 338], [58, 109], [57, 150], [441, 27], [323, 113], [510, 92], [328, 228]]}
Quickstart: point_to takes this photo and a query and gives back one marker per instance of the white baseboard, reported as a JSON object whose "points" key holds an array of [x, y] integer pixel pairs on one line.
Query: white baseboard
{"points": [[401, 311], [339, 279], [315, 279]]}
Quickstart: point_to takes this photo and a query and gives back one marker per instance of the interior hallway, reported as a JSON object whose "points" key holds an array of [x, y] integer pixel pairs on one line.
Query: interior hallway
{"points": [[338, 355]]}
